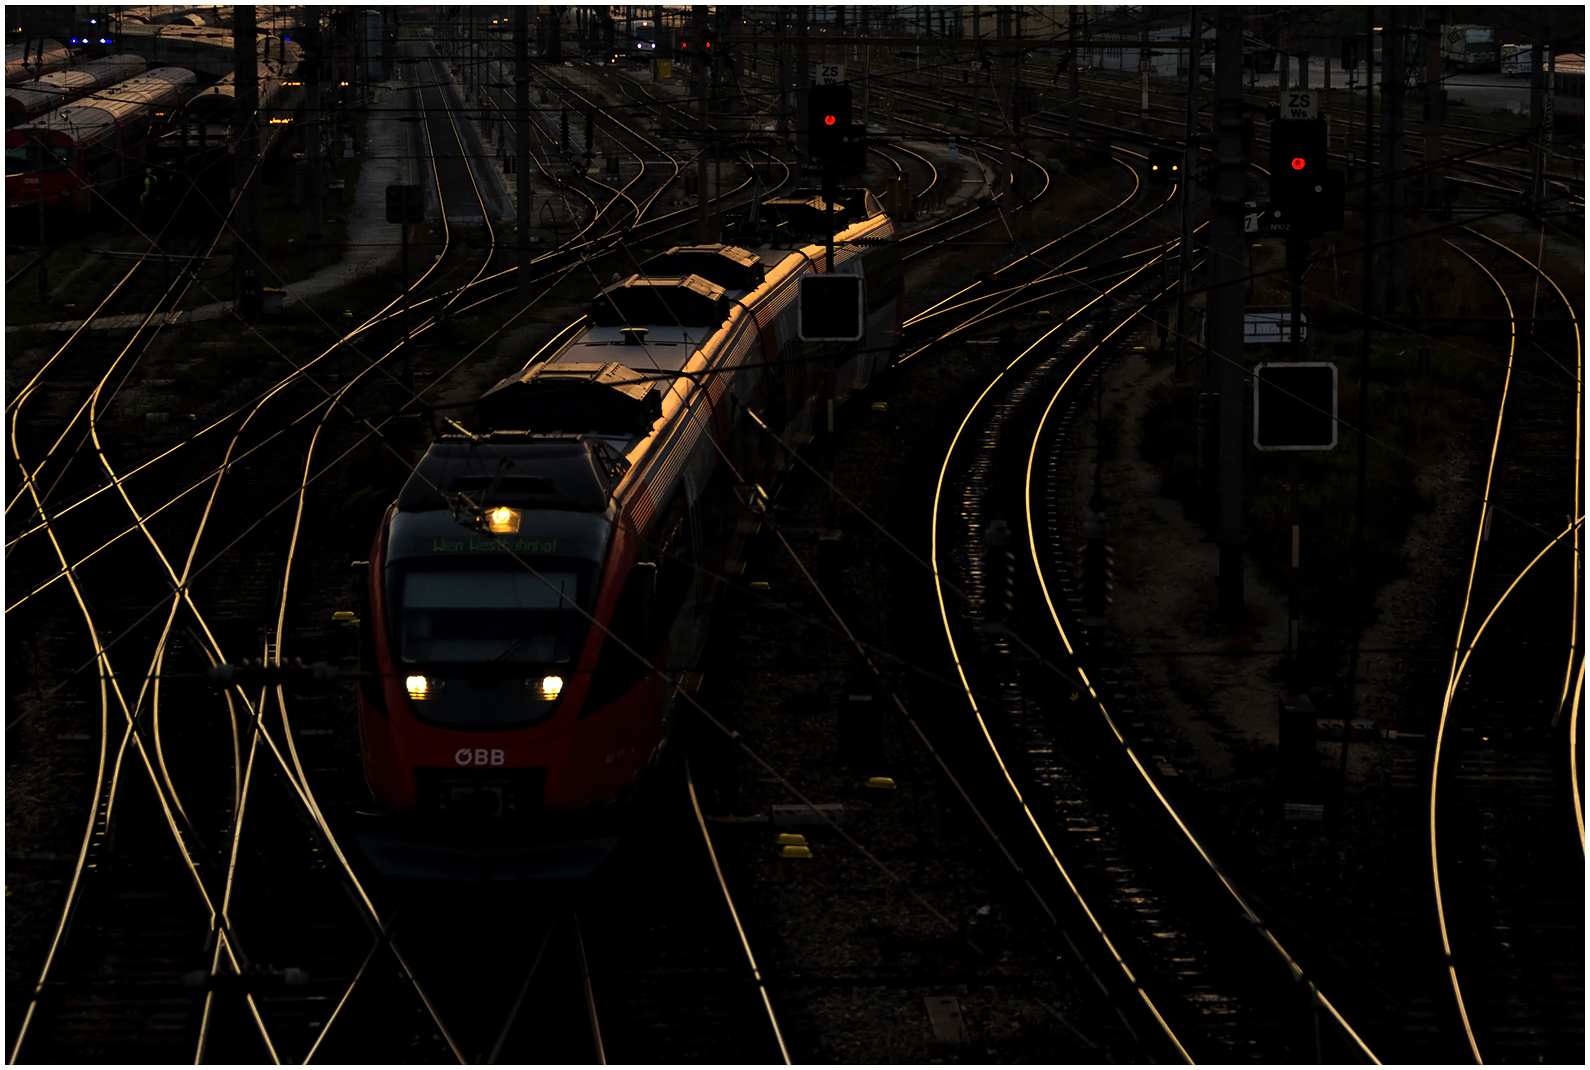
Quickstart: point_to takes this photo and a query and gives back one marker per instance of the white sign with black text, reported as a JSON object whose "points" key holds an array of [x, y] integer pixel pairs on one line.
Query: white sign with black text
{"points": [[1300, 104]]}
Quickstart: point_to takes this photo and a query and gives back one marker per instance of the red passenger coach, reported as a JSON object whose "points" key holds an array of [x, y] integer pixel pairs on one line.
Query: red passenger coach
{"points": [[77, 153], [539, 587]]}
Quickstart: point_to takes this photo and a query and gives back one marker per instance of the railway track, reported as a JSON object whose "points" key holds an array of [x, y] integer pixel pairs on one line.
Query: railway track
{"points": [[202, 776], [1506, 846], [184, 822], [1020, 710], [1510, 182]]}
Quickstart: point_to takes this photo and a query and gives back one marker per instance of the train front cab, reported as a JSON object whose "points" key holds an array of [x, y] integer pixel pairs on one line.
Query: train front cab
{"points": [[41, 166], [485, 741]]}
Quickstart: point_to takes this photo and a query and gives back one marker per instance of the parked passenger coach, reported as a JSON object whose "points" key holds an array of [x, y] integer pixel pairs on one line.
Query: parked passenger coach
{"points": [[76, 154], [539, 587], [28, 99]]}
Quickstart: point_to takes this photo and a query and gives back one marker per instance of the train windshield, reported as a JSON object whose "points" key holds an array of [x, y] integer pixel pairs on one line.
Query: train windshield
{"points": [[504, 616], [32, 156]]}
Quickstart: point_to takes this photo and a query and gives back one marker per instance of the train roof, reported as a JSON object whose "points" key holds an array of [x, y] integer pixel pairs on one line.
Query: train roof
{"points": [[636, 359], [59, 84], [110, 103], [728, 266], [571, 472], [608, 398], [804, 215], [640, 300]]}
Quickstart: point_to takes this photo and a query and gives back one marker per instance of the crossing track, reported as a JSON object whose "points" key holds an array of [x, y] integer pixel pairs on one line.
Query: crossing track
{"points": [[646, 962], [200, 802], [633, 211], [1505, 816], [1108, 98], [995, 211], [173, 842], [928, 191], [1201, 988]]}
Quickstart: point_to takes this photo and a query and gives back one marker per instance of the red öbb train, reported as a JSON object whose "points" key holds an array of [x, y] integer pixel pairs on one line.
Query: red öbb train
{"points": [[75, 154], [540, 585]]}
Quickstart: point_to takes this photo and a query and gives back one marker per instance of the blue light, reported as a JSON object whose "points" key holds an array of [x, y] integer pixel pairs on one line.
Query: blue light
{"points": [[93, 22], [73, 41]]}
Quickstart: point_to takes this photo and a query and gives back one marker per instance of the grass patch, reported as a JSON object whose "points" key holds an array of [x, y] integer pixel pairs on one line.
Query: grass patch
{"points": [[1416, 408]]}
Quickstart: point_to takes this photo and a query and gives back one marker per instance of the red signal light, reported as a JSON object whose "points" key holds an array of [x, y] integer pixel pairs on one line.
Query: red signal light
{"points": [[1298, 163], [829, 120]]}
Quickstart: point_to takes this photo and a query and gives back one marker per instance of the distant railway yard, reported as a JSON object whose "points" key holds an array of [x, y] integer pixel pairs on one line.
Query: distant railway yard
{"points": [[794, 534]]}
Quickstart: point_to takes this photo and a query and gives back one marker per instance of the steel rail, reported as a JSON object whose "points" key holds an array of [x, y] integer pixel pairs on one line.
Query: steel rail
{"points": [[161, 782], [1457, 651], [1029, 494], [590, 996], [942, 305], [513, 1012], [1463, 649], [734, 915], [1575, 603], [1037, 828]]}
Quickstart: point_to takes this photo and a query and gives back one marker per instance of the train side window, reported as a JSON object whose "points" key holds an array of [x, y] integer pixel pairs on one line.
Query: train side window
{"points": [[647, 606], [618, 669], [676, 572]]}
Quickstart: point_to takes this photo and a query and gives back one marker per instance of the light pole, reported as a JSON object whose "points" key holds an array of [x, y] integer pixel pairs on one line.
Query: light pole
{"points": [[411, 188]]}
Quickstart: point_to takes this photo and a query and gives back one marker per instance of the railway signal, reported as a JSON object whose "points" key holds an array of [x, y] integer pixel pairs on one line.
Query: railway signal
{"points": [[830, 135], [1305, 198], [1297, 159]]}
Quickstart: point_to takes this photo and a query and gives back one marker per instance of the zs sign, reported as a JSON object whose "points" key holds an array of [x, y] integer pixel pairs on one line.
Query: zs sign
{"points": [[1300, 105]]}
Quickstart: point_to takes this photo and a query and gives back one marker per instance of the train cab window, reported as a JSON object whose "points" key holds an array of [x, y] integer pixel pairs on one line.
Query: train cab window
{"points": [[21, 159], [498, 616]]}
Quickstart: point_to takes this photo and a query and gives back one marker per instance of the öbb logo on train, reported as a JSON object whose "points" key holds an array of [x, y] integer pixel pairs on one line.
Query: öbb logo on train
{"points": [[479, 756]]}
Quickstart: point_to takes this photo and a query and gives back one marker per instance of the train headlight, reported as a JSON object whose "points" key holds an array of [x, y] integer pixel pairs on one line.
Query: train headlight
{"points": [[418, 687], [551, 686], [502, 520]]}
